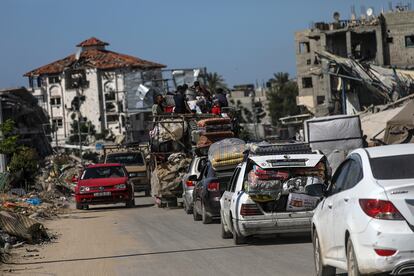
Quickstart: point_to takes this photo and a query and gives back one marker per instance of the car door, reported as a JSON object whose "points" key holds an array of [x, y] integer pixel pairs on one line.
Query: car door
{"points": [[227, 197], [326, 224], [198, 188], [342, 205]]}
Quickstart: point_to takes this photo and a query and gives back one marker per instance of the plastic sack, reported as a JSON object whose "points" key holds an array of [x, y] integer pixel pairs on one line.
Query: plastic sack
{"points": [[262, 190], [227, 149]]}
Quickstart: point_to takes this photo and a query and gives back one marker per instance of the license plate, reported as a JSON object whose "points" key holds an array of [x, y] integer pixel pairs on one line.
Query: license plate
{"points": [[102, 194]]}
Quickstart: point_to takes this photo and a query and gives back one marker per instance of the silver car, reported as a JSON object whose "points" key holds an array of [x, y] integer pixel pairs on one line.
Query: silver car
{"points": [[189, 181]]}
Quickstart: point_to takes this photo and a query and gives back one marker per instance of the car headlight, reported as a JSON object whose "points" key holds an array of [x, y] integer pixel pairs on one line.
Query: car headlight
{"points": [[138, 174], [84, 189], [120, 186]]}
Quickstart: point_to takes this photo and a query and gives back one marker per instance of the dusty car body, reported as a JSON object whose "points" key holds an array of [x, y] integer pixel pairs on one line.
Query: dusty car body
{"points": [[135, 164]]}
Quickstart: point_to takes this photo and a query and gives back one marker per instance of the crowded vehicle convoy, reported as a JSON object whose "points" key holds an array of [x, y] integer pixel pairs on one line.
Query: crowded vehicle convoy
{"points": [[195, 158]]}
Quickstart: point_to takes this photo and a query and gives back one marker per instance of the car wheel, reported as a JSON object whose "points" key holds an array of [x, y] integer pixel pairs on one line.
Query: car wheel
{"points": [[196, 216], [130, 203], [79, 206], [321, 270], [352, 261], [205, 217], [225, 234], [187, 209], [238, 239]]}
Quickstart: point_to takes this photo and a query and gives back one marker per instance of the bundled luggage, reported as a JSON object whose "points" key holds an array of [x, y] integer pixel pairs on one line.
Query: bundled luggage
{"points": [[226, 153], [261, 189]]}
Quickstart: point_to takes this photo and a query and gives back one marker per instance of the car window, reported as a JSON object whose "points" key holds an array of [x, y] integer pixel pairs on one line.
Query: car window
{"points": [[126, 158], [354, 175], [103, 172], [201, 164], [234, 180], [339, 179], [393, 167]]}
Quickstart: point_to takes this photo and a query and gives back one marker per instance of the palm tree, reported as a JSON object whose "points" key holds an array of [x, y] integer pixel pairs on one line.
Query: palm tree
{"points": [[279, 79], [215, 81]]}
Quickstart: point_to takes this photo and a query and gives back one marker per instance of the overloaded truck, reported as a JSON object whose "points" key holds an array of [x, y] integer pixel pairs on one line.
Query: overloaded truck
{"points": [[133, 157], [174, 140]]}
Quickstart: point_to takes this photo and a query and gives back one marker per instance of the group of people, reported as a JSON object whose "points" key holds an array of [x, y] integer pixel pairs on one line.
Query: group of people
{"points": [[194, 99]]}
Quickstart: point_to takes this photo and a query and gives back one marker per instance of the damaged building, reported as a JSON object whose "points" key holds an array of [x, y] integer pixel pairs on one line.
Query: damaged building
{"points": [[102, 82], [31, 122], [347, 65]]}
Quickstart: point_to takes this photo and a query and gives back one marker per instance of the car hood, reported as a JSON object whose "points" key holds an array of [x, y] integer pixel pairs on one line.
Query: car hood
{"points": [[102, 181]]}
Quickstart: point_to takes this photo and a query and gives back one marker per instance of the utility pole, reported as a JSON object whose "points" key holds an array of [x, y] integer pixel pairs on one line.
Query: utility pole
{"points": [[2, 157]]}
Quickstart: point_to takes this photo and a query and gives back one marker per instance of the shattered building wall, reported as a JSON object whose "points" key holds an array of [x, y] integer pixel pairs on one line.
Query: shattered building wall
{"points": [[30, 120], [384, 41]]}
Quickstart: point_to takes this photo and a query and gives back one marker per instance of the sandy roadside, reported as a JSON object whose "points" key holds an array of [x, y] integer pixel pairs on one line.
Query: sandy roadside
{"points": [[85, 240]]}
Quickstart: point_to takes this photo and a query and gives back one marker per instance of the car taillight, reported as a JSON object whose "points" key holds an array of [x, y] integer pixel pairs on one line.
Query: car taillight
{"points": [[380, 209], [250, 210], [385, 252], [190, 183], [213, 186]]}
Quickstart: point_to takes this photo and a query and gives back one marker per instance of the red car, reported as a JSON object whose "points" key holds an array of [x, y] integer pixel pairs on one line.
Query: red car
{"points": [[104, 184]]}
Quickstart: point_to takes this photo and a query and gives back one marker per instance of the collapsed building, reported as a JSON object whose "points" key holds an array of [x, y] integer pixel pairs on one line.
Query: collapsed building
{"points": [[347, 65], [31, 122]]}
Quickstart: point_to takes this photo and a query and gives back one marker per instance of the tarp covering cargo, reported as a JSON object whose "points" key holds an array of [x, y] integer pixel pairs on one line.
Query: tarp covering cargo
{"points": [[400, 128], [168, 130], [334, 135], [167, 176], [227, 152]]}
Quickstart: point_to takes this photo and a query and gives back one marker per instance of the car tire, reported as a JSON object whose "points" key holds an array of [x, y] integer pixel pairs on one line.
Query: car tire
{"points": [[187, 209], [238, 239], [130, 203], [352, 262], [79, 206], [204, 216], [196, 216], [320, 269], [225, 234]]}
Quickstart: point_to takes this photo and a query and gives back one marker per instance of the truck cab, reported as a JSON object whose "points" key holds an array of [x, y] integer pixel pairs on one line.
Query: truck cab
{"points": [[134, 161]]}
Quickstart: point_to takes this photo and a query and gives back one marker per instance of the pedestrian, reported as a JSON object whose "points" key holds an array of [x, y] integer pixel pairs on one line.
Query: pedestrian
{"points": [[216, 109], [157, 108], [179, 100], [221, 96]]}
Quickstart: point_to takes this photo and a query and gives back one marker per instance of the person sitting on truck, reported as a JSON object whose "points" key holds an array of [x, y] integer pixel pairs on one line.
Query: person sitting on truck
{"points": [[179, 100], [157, 108], [216, 109]]}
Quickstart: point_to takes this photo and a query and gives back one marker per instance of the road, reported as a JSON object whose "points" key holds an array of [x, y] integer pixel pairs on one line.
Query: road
{"points": [[147, 240]]}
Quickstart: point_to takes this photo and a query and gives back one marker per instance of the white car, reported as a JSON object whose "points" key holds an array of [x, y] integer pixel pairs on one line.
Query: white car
{"points": [[365, 224], [242, 217]]}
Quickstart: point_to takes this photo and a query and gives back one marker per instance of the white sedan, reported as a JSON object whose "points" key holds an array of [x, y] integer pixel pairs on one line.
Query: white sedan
{"points": [[365, 224]]}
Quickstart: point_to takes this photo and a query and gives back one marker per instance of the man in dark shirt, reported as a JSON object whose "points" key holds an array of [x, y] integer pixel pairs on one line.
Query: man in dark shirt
{"points": [[221, 96], [179, 100]]}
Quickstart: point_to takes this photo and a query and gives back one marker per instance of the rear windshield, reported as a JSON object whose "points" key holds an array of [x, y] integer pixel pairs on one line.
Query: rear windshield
{"points": [[126, 158], [393, 167], [103, 172]]}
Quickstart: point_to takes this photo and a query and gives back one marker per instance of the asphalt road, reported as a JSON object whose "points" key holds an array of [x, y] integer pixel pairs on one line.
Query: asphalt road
{"points": [[147, 240]]}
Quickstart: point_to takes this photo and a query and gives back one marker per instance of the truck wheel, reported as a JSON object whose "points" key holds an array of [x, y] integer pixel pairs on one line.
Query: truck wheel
{"points": [[196, 216], [225, 234], [205, 217], [321, 270]]}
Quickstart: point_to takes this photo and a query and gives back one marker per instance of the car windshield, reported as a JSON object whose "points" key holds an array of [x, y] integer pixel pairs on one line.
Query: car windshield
{"points": [[393, 167], [103, 172], [126, 158]]}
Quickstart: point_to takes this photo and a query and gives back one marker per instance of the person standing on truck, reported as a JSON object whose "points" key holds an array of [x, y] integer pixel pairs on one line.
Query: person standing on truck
{"points": [[179, 100], [157, 108], [221, 96]]}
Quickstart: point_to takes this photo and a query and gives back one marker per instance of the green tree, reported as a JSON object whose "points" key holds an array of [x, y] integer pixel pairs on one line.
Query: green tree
{"points": [[282, 97], [215, 81], [8, 142]]}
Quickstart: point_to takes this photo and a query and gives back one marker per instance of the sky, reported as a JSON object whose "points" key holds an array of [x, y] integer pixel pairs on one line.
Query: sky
{"points": [[245, 41]]}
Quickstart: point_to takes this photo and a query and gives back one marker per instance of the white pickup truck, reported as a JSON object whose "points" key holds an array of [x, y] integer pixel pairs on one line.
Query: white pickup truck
{"points": [[243, 216]]}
